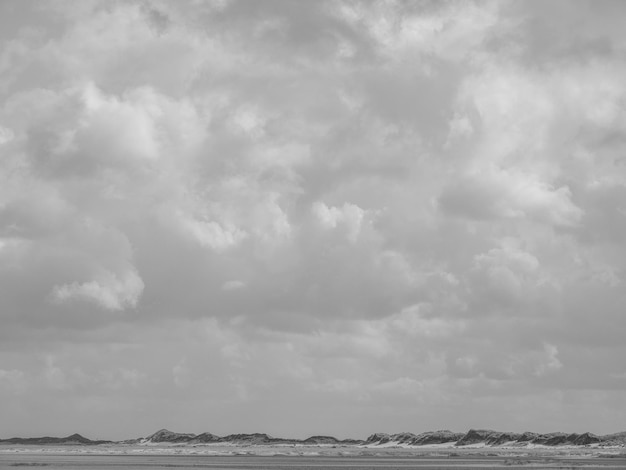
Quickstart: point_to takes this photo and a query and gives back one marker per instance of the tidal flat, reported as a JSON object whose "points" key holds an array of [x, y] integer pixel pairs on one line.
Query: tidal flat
{"points": [[305, 458]]}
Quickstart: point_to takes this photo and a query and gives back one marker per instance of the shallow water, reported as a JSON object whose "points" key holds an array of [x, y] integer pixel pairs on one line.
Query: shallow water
{"points": [[69, 461]]}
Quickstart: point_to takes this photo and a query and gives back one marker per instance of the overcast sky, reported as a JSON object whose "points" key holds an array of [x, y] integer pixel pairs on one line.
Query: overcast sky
{"points": [[301, 217]]}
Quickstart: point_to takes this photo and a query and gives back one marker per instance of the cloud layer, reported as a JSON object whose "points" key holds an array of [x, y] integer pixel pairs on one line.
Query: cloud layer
{"points": [[311, 217]]}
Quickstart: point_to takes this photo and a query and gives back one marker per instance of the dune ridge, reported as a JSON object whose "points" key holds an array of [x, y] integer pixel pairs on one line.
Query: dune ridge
{"points": [[473, 437]]}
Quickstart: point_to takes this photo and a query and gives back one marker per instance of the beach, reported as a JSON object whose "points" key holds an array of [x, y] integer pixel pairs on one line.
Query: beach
{"points": [[304, 457]]}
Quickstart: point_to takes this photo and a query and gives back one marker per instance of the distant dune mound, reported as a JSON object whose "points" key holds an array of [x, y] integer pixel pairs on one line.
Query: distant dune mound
{"points": [[205, 438], [250, 439], [74, 439], [407, 438], [487, 437], [437, 437], [316, 440], [163, 435]]}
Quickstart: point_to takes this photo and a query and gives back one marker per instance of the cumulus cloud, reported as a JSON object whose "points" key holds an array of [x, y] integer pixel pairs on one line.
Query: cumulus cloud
{"points": [[109, 291], [500, 194], [350, 216], [211, 234]]}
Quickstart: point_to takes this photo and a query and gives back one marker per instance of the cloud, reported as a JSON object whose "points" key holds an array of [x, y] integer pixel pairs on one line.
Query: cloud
{"points": [[211, 234], [108, 291], [350, 215], [235, 284], [126, 128], [390, 203], [6, 136], [499, 194]]}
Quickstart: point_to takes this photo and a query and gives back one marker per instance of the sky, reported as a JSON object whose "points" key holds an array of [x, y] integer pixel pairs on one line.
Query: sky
{"points": [[299, 218]]}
